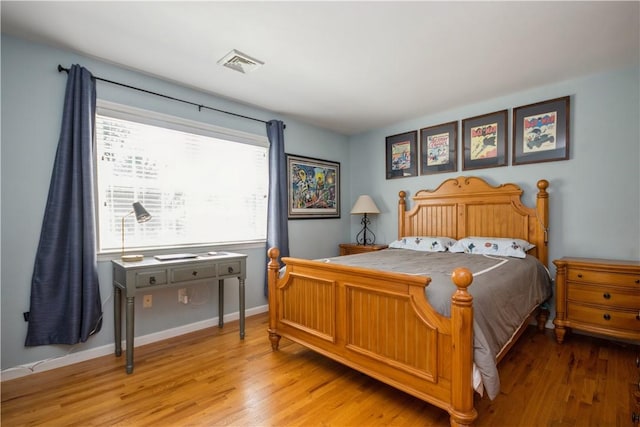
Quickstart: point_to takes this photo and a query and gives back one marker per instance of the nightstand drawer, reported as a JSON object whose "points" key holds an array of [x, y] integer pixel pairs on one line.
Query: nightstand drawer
{"points": [[195, 272], [151, 278], [604, 277], [610, 297], [606, 318]]}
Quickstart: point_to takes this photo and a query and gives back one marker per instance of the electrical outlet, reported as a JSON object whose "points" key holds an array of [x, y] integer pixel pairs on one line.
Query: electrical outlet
{"points": [[183, 297], [147, 301]]}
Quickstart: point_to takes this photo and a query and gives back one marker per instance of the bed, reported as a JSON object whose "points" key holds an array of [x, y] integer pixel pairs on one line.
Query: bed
{"points": [[382, 323]]}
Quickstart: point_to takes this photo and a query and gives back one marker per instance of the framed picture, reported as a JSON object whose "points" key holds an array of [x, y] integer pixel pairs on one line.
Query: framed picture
{"points": [[541, 132], [402, 155], [313, 188], [484, 139], [439, 148]]}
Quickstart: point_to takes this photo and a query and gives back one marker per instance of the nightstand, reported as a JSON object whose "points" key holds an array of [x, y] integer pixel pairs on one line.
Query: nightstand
{"points": [[599, 296], [354, 248]]}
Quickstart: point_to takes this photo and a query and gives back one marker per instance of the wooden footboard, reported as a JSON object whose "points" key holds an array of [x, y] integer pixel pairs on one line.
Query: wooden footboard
{"points": [[380, 324]]}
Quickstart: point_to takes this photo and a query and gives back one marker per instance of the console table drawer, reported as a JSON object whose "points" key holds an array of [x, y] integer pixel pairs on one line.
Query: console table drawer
{"points": [[603, 317], [151, 278], [196, 272], [605, 296], [229, 268]]}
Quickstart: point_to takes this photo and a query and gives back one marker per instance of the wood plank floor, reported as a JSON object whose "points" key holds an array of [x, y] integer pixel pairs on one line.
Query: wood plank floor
{"points": [[211, 378]]}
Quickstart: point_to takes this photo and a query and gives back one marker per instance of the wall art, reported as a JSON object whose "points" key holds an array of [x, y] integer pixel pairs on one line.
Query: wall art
{"points": [[313, 187]]}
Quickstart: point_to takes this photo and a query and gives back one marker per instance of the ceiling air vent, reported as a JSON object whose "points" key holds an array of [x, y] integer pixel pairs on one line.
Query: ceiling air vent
{"points": [[240, 62]]}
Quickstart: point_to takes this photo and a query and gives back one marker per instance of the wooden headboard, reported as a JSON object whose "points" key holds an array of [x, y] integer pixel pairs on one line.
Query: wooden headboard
{"points": [[469, 206]]}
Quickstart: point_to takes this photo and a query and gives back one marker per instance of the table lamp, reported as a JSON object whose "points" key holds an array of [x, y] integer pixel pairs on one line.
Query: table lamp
{"points": [[365, 205], [141, 216]]}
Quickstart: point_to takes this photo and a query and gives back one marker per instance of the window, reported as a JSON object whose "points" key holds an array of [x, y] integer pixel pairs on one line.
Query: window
{"points": [[202, 185]]}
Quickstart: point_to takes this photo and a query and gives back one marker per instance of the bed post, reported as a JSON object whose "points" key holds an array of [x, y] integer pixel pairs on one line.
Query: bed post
{"points": [[272, 277], [402, 208], [542, 213], [462, 412]]}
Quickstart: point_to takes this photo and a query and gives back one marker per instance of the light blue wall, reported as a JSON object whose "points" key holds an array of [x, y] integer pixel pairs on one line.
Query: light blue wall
{"points": [[594, 196], [32, 96]]}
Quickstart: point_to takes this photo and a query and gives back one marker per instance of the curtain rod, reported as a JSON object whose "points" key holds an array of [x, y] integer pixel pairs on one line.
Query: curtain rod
{"points": [[200, 106]]}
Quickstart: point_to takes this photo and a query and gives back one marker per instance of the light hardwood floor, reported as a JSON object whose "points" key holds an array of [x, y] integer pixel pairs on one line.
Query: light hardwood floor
{"points": [[211, 378]]}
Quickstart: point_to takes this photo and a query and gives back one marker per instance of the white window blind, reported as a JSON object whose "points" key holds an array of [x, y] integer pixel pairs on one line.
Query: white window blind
{"points": [[201, 185]]}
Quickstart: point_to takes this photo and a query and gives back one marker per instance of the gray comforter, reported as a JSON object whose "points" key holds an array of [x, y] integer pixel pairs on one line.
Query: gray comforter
{"points": [[505, 291]]}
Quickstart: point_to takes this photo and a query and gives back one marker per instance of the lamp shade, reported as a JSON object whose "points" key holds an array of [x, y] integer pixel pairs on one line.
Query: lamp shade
{"points": [[141, 213], [364, 205]]}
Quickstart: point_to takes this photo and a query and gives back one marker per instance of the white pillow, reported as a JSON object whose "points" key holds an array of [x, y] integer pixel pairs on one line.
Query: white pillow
{"points": [[423, 243], [492, 246]]}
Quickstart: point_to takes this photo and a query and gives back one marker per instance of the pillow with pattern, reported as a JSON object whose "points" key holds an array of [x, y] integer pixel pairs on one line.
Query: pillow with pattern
{"points": [[423, 243], [492, 246]]}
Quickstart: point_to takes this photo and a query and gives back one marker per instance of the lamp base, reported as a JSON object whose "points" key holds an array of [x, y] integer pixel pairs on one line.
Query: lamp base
{"points": [[361, 237], [132, 258]]}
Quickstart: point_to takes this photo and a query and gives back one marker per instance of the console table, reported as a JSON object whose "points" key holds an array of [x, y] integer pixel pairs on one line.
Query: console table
{"points": [[150, 274]]}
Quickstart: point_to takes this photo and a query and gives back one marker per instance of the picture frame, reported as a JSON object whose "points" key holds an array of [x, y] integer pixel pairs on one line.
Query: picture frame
{"points": [[439, 148], [313, 188], [541, 131], [402, 155], [484, 140]]}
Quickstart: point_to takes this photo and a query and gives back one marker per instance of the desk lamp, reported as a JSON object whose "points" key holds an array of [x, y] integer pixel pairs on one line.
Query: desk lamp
{"points": [[141, 216], [365, 205]]}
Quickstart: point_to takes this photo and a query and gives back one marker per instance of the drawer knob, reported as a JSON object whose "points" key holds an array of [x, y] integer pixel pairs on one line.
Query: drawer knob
{"points": [[637, 281], [152, 280], [230, 269], [607, 317], [635, 418], [195, 273], [606, 295], [580, 275]]}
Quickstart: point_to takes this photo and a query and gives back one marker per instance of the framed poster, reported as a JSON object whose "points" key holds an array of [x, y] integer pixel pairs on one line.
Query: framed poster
{"points": [[541, 131], [313, 188], [402, 155], [484, 139], [439, 148]]}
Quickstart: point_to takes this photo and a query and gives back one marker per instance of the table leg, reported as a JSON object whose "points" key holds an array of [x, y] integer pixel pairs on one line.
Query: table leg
{"points": [[130, 322], [241, 287], [220, 303], [117, 319]]}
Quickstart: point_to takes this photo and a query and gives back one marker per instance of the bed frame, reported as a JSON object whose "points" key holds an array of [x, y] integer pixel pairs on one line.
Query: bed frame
{"points": [[381, 323]]}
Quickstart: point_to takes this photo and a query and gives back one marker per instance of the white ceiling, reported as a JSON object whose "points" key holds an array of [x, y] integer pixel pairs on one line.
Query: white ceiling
{"points": [[344, 66]]}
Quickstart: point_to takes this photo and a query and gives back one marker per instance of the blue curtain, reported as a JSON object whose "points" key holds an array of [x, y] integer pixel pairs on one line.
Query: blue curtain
{"points": [[277, 213], [65, 294]]}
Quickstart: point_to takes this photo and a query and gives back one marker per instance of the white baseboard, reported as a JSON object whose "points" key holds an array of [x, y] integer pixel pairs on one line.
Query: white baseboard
{"points": [[81, 356]]}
